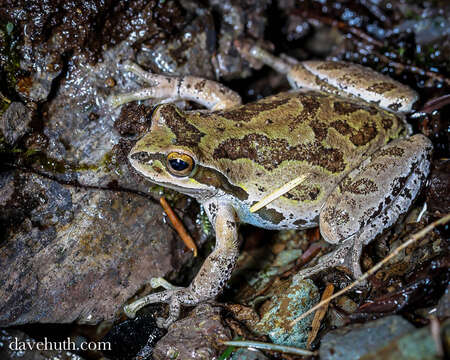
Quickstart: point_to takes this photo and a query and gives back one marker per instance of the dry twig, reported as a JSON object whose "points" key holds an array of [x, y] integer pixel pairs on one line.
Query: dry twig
{"points": [[319, 315], [178, 225]]}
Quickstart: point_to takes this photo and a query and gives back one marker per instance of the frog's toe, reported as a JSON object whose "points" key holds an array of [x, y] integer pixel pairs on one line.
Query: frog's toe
{"points": [[175, 297], [308, 272], [345, 256], [114, 101], [131, 309]]}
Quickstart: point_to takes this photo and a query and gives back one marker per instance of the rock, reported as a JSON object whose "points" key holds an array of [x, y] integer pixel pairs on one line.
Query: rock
{"points": [[443, 306], [75, 250], [134, 338], [185, 53], [417, 344], [369, 337], [196, 337], [239, 20], [438, 193], [15, 122], [75, 254], [285, 307], [248, 354]]}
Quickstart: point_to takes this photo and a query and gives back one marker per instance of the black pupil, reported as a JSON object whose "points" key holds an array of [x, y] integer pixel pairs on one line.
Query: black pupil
{"points": [[178, 164]]}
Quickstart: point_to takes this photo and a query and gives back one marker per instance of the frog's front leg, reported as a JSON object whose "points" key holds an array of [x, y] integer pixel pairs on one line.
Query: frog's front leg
{"points": [[208, 93], [211, 278], [371, 199]]}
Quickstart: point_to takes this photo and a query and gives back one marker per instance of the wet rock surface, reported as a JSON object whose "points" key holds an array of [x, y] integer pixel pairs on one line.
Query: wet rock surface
{"points": [[15, 122], [197, 336], [76, 254], [134, 338], [298, 298], [356, 341]]}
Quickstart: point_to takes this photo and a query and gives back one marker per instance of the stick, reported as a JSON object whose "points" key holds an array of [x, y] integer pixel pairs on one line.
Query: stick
{"points": [[178, 225], [318, 316]]}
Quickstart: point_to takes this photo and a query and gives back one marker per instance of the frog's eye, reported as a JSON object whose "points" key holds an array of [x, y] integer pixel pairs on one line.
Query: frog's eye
{"points": [[179, 164]]}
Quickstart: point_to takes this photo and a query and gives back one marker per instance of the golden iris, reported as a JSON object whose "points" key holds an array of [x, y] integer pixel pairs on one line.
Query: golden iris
{"points": [[179, 164]]}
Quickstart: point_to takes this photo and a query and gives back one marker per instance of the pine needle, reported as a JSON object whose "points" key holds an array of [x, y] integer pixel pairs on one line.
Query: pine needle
{"points": [[277, 193]]}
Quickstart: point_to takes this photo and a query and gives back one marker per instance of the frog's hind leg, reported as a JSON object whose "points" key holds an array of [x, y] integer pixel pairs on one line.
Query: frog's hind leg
{"points": [[337, 77], [371, 199], [208, 93]]}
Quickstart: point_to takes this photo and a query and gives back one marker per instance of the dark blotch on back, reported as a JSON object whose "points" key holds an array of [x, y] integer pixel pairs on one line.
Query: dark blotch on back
{"points": [[249, 111], [186, 134], [387, 123], [311, 105], [347, 107], [270, 153], [332, 65], [381, 87], [358, 137]]}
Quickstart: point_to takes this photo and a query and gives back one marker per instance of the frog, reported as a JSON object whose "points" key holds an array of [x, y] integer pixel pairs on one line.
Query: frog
{"points": [[342, 126]]}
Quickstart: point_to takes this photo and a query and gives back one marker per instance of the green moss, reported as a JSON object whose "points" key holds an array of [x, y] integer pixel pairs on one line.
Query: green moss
{"points": [[4, 103], [9, 59]]}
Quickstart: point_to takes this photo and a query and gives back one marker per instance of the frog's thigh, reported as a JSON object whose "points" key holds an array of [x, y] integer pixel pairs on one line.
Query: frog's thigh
{"points": [[372, 197]]}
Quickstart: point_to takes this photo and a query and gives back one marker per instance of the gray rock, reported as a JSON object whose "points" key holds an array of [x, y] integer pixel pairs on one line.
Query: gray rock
{"points": [[76, 254], [196, 337], [443, 306], [358, 340], [248, 354], [15, 122], [284, 308]]}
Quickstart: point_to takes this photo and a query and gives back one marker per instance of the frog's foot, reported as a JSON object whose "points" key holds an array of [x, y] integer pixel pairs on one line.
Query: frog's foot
{"points": [[257, 56], [174, 296], [345, 256], [208, 93]]}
